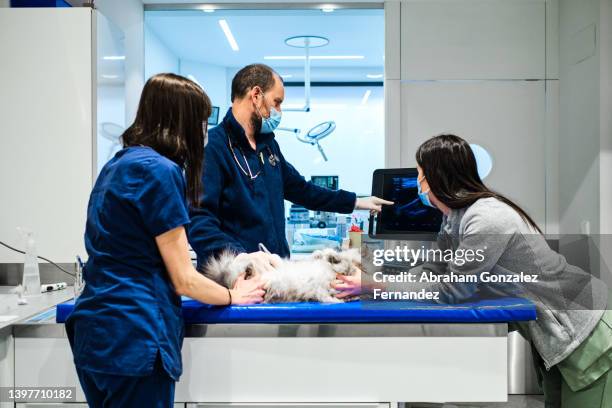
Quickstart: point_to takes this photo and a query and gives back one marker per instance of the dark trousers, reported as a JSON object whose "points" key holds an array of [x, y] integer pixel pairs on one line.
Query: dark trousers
{"points": [[118, 391]]}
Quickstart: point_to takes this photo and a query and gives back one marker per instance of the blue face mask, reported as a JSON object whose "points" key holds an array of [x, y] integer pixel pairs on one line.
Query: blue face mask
{"points": [[269, 124], [424, 196]]}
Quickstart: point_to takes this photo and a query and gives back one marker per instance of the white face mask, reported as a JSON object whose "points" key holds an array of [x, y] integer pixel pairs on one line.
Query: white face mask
{"points": [[424, 195], [269, 124]]}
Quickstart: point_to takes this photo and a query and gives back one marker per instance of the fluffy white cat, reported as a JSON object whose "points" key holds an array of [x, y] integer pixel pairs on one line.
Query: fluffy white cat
{"points": [[301, 280]]}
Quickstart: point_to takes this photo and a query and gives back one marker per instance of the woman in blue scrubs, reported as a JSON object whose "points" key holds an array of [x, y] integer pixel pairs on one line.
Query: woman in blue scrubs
{"points": [[126, 329]]}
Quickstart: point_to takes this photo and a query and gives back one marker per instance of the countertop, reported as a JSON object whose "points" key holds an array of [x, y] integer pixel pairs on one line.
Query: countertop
{"points": [[12, 313]]}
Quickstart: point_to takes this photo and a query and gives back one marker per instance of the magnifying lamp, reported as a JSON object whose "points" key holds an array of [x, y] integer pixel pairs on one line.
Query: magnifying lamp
{"points": [[111, 132], [314, 135]]}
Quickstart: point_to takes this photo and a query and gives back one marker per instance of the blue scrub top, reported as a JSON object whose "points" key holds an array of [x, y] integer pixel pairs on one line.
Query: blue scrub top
{"points": [[129, 311], [238, 213]]}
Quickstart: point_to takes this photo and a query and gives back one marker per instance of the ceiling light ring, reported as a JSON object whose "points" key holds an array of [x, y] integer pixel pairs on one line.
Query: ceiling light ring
{"points": [[300, 41]]}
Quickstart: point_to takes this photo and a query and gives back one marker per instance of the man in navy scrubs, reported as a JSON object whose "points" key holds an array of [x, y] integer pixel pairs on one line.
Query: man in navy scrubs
{"points": [[246, 177]]}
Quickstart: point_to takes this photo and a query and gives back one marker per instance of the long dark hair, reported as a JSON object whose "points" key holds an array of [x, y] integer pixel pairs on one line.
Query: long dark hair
{"points": [[171, 119], [449, 166]]}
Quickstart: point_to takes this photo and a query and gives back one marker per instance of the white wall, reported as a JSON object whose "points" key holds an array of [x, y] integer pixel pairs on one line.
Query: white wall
{"points": [[213, 79], [605, 85], [477, 68], [159, 58], [473, 39], [393, 105], [128, 15], [580, 140]]}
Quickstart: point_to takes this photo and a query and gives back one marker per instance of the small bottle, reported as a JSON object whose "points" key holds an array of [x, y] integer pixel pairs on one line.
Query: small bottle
{"points": [[31, 273], [341, 227]]}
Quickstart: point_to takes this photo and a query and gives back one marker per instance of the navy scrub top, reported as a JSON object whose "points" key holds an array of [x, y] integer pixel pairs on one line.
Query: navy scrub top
{"points": [[129, 311], [238, 213]]}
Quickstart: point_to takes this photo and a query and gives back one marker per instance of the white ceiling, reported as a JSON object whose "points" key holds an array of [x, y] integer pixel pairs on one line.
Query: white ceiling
{"points": [[196, 35]]}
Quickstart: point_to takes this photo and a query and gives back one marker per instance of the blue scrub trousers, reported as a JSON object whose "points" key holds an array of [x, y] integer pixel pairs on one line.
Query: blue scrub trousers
{"points": [[118, 391]]}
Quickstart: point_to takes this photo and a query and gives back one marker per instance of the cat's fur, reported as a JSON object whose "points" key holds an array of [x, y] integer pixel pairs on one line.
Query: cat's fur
{"points": [[301, 280]]}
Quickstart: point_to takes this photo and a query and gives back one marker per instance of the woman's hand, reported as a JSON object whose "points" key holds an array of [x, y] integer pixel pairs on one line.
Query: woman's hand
{"points": [[247, 291], [374, 204], [347, 286], [173, 247]]}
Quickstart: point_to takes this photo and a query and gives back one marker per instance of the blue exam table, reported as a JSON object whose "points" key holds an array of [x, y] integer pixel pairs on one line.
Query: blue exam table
{"points": [[503, 310], [357, 354]]}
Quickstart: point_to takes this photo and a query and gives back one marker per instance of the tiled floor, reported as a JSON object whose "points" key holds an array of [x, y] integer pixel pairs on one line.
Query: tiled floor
{"points": [[514, 401]]}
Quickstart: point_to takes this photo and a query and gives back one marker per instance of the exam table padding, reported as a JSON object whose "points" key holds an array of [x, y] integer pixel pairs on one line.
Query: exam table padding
{"points": [[501, 310]]}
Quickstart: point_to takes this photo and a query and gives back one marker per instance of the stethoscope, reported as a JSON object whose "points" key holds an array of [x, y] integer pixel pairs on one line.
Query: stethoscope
{"points": [[273, 159]]}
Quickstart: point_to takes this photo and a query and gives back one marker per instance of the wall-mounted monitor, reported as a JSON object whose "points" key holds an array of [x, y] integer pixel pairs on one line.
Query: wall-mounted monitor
{"points": [[213, 119], [330, 182]]}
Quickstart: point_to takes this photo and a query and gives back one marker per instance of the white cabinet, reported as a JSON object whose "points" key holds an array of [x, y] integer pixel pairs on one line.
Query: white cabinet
{"points": [[7, 362], [66, 405], [45, 362], [49, 405], [55, 87], [46, 128], [473, 39], [292, 405]]}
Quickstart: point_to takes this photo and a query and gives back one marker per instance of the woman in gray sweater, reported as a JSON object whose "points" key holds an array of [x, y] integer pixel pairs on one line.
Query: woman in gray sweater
{"points": [[572, 336]]}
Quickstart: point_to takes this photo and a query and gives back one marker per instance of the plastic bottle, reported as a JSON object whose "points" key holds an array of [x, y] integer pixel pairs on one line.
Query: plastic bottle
{"points": [[341, 227], [31, 273]]}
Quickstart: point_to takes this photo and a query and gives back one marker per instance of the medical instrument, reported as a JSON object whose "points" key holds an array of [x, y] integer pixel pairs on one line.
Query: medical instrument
{"points": [[31, 272], [299, 218], [49, 287], [306, 42], [408, 218], [341, 226], [213, 119], [249, 174], [273, 159], [291, 130], [112, 132], [311, 239], [263, 248], [446, 337], [78, 277], [324, 219], [318, 132], [299, 214]]}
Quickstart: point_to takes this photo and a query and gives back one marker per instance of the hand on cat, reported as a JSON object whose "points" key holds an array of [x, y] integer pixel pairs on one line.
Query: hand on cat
{"points": [[247, 291], [347, 286]]}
